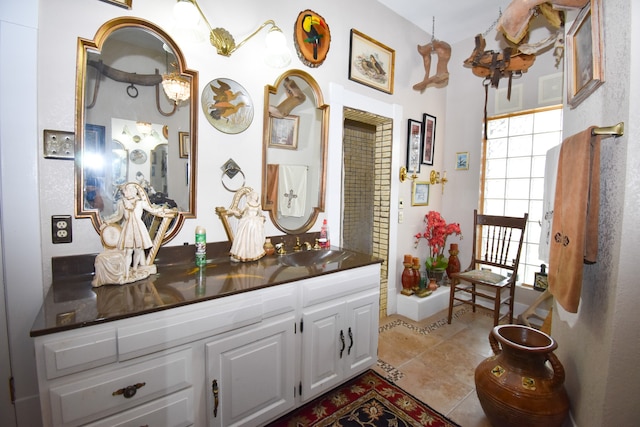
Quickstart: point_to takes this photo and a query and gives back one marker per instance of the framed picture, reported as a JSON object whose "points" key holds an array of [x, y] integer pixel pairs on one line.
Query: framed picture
{"points": [[283, 132], [370, 62], [185, 144], [420, 193], [414, 140], [428, 139], [122, 3], [585, 54], [541, 282], [462, 160]]}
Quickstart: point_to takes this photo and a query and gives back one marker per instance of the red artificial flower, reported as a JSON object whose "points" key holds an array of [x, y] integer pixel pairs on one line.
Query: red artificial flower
{"points": [[436, 233]]}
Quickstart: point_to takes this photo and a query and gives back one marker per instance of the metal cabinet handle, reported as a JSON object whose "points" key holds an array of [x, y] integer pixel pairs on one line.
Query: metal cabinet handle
{"points": [[215, 391], [350, 341], [342, 341], [129, 391]]}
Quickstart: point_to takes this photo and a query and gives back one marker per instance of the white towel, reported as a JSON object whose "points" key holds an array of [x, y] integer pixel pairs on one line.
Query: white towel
{"points": [[292, 190], [550, 176]]}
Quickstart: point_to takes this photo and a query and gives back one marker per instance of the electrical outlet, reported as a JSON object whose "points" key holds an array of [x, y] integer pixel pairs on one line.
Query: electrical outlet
{"points": [[61, 228]]}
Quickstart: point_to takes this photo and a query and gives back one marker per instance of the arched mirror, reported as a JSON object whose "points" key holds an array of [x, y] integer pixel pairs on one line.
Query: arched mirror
{"points": [[294, 151], [131, 125]]}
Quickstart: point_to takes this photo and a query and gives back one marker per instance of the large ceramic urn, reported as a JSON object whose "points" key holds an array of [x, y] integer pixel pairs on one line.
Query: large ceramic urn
{"points": [[516, 386]]}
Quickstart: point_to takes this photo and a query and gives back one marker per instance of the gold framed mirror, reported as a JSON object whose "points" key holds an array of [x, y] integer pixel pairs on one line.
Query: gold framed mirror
{"points": [[128, 125], [294, 151]]}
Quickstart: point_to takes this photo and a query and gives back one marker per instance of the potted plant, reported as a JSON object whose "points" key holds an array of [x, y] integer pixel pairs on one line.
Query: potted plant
{"points": [[436, 233]]}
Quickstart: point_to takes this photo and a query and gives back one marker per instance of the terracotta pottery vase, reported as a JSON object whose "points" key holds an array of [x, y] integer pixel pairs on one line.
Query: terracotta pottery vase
{"points": [[439, 275], [454, 261], [515, 386], [416, 274], [407, 277]]}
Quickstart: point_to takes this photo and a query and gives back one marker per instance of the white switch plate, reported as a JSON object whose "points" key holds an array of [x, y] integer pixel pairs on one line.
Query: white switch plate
{"points": [[400, 217]]}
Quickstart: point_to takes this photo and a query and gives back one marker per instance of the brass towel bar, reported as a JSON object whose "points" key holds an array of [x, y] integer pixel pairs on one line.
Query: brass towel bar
{"points": [[615, 130]]}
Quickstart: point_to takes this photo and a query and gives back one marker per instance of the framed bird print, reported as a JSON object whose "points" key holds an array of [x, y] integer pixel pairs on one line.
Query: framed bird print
{"points": [[312, 38], [370, 62], [227, 105]]}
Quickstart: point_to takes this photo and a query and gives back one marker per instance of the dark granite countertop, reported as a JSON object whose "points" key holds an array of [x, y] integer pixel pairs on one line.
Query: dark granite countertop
{"points": [[72, 302]]}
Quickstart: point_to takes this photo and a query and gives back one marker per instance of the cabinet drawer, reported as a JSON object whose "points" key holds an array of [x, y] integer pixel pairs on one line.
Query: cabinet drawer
{"points": [[168, 329], [331, 286], [77, 353], [175, 410], [98, 396]]}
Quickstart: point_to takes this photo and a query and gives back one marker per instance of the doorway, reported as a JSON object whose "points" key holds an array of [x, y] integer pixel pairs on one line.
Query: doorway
{"points": [[366, 188]]}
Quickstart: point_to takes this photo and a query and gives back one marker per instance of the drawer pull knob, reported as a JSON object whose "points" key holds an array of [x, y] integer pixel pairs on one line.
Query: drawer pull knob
{"points": [[129, 391], [342, 341], [215, 391]]}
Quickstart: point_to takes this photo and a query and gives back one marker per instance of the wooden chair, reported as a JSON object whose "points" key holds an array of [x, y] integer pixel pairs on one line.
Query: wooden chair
{"points": [[486, 282]]}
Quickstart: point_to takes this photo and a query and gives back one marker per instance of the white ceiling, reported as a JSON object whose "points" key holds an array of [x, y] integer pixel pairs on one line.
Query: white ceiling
{"points": [[455, 20]]}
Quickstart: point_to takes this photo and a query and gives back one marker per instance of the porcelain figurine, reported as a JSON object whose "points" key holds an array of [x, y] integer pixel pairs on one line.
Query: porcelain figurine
{"points": [[248, 242], [125, 237]]}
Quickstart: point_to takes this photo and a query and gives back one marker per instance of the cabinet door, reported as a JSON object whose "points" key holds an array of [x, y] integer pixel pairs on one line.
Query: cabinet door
{"points": [[251, 374], [322, 339], [362, 318]]}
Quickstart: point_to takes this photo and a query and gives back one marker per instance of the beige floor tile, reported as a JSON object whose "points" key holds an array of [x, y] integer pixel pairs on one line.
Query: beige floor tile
{"points": [[435, 361], [437, 390], [400, 344], [469, 413]]}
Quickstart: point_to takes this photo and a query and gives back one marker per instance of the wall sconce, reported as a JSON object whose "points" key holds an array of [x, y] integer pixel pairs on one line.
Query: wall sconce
{"points": [[434, 178], [277, 54], [404, 174]]}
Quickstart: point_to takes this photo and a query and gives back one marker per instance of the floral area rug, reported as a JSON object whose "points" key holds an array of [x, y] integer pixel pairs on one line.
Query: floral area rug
{"points": [[367, 400]]}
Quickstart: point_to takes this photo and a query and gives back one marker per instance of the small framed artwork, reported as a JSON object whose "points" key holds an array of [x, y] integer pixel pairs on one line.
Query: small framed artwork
{"points": [[541, 281], [507, 104], [585, 54], [550, 89], [420, 193], [283, 132], [370, 62], [428, 139], [185, 144], [122, 3], [462, 160], [414, 140]]}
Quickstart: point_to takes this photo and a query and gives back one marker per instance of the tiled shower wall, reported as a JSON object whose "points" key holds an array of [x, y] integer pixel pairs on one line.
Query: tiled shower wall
{"points": [[366, 188]]}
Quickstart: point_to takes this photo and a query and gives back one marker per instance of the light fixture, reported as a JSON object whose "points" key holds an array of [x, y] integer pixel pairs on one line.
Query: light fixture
{"points": [[404, 174], [434, 178], [277, 54], [176, 87], [143, 127]]}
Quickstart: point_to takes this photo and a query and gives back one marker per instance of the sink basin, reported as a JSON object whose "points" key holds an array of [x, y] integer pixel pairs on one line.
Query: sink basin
{"points": [[309, 258]]}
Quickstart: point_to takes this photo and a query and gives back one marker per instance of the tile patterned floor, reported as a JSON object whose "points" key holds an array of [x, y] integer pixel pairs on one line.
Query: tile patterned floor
{"points": [[436, 361]]}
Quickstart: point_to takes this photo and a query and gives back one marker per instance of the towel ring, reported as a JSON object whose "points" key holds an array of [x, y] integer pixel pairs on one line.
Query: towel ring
{"points": [[231, 173]]}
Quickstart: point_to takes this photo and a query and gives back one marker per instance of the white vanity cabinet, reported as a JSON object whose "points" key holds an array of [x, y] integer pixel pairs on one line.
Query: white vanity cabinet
{"points": [[250, 374], [238, 360], [339, 325]]}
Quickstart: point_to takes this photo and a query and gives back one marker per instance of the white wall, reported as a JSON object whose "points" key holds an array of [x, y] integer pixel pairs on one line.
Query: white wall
{"points": [[19, 208], [599, 345]]}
